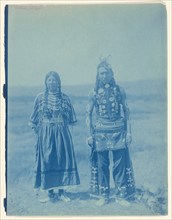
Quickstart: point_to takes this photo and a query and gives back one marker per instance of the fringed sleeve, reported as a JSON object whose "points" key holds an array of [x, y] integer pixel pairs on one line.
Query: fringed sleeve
{"points": [[71, 112], [89, 110], [126, 110], [72, 116], [34, 118]]}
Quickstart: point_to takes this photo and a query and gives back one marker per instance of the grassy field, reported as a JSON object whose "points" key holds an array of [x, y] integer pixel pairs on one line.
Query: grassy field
{"points": [[148, 106]]}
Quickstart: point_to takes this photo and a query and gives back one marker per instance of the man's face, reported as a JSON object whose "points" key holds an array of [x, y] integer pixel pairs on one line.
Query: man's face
{"points": [[104, 75]]}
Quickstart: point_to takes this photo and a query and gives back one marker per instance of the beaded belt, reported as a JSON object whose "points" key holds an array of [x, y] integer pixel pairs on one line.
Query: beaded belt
{"points": [[109, 126], [53, 121]]}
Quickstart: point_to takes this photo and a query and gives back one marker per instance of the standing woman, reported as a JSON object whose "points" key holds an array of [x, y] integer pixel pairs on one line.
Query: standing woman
{"points": [[109, 132], [55, 164]]}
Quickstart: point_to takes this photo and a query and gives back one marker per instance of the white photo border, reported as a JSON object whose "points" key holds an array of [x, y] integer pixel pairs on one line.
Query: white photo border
{"points": [[4, 3]]}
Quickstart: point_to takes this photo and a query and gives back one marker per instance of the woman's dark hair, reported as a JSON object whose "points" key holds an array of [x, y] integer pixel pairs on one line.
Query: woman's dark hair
{"points": [[56, 76]]}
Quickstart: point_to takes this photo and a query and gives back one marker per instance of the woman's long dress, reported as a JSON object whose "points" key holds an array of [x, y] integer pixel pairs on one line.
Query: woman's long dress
{"points": [[55, 163]]}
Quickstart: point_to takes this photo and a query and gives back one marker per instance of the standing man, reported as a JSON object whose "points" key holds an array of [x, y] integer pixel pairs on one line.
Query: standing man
{"points": [[110, 131]]}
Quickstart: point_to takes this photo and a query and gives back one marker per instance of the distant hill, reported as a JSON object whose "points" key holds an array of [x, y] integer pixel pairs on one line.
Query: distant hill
{"points": [[136, 88], [76, 90]]}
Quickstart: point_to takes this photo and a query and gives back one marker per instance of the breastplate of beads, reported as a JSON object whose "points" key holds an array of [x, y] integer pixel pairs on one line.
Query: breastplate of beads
{"points": [[108, 102]]}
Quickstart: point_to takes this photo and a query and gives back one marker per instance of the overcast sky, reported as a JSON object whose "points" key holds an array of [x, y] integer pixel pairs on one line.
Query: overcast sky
{"points": [[72, 39]]}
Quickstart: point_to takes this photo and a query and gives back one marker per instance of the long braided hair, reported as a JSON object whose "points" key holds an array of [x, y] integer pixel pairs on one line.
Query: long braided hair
{"points": [[58, 94], [114, 88], [56, 76], [107, 66]]}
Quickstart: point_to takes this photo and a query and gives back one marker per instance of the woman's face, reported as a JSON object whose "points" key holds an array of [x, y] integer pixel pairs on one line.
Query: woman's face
{"points": [[52, 84], [104, 75]]}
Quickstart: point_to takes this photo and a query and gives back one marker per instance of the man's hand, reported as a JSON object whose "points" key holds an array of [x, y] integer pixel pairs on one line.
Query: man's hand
{"points": [[90, 141]]}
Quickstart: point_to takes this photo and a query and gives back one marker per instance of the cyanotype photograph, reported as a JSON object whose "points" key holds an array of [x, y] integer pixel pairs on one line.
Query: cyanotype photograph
{"points": [[86, 106]]}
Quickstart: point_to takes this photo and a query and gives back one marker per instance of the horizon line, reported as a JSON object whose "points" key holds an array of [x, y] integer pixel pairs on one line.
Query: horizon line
{"points": [[87, 84]]}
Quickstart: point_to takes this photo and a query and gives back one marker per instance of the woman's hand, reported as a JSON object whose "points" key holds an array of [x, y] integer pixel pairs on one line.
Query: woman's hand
{"points": [[128, 138], [35, 130]]}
